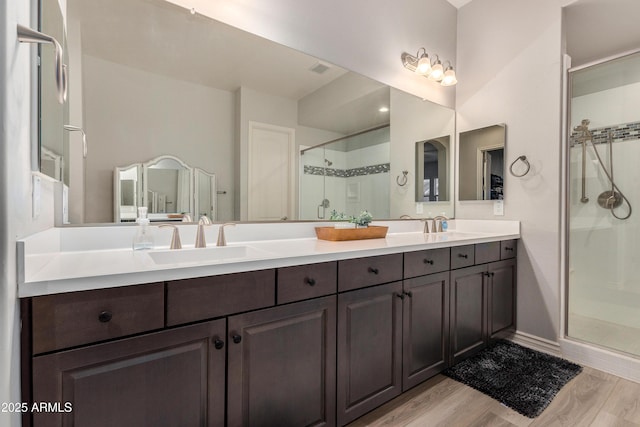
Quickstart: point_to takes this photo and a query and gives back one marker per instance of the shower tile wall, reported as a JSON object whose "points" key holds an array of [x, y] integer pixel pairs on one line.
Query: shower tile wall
{"points": [[356, 180]]}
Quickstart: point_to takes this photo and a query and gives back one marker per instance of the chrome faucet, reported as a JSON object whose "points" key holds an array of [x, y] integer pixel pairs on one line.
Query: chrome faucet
{"points": [[175, 237], [222, 241], [426, 225], [437, 223], [200, 240]]}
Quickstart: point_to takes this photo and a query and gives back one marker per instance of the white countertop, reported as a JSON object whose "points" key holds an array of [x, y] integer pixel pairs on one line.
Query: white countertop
{"points": [[83, 258]]}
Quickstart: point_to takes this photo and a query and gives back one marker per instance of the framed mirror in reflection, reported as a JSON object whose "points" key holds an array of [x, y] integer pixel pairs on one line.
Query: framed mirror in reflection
{"points": [[199, 99], [481, 163], [432, 170]]}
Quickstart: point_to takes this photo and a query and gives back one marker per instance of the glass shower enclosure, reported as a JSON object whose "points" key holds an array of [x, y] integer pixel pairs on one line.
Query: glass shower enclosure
{"points": [[348, 175], [603, 264]]}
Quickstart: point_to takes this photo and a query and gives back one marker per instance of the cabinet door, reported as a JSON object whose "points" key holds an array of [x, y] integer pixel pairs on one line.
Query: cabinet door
{"points": [[425, 328], [468, 312], [369, 349], [169, 378], [282, 366], [502, 296]]}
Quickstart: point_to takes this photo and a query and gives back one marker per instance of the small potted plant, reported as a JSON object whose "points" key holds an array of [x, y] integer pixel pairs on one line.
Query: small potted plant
{"points": [[362, 220]]}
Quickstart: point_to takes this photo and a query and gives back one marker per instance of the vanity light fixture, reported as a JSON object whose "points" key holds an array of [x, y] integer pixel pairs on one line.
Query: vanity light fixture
{"points": [[423, 65]]}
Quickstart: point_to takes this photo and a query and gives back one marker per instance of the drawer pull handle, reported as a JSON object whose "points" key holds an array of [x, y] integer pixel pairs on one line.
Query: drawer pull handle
{"points": [[373, 270], [309, 281], [401, 296], [105, 316], [409, 294], [218, 343], [465, 256], [487, 274], [507, 248], [236, 338], [428, 261]]}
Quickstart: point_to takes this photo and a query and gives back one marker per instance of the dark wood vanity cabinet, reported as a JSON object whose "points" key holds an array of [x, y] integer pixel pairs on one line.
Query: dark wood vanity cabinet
{"points": [[318, 344], [369, 349], [282, 365], [170, 378], [425, 328], [482, 305]]}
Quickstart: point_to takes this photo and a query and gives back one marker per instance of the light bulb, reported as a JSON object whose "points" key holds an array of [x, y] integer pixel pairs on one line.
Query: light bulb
{"points": [[424, 65], [437, 72], [449, 78]]}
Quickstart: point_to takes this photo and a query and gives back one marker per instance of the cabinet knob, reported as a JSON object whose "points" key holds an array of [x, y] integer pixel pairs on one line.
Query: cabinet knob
{"points": [[105, 316], [487, 274], [465, 256], [401, 296], [236, 338], [507, 248], [309, 281], [428, 261], [409, 294], [218, 343], [373, 270]]}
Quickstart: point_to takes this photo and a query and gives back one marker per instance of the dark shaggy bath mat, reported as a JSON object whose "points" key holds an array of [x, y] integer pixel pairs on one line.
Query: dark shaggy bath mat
{"points": [[520, 378]]}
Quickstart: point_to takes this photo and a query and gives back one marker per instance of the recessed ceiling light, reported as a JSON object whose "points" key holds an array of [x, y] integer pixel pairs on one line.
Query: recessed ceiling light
{"points": [[383, 109]]}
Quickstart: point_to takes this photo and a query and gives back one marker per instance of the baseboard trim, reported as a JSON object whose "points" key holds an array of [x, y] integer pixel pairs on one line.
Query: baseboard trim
{"points": [[536, 343], [601, 359], [583, 354]]}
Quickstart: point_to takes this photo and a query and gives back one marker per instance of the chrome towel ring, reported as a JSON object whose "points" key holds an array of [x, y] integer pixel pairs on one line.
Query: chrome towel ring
{"points": [[402, 181], [524, 160]]}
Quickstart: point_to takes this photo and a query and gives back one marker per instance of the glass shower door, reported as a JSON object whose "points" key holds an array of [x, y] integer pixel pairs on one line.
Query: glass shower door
{"points": [[603, 304]]}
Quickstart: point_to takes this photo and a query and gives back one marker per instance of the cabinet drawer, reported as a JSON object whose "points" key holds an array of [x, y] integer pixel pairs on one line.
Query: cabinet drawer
{"points": [[72, 319], [306, 281], [487, 252], [462, 256], [190, 300], [421, 263], [362, 272], [508, 249]]}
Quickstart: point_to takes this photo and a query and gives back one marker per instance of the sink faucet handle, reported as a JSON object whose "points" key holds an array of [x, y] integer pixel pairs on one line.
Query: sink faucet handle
{"points": [[222, 241], [187, 218], [175, 236], [200, 240], [426, 225]]}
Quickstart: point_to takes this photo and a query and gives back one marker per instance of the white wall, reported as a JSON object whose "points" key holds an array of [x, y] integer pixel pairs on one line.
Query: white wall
{"points": [[415, 120], [121, 110], [16, 128], [509, 71]]}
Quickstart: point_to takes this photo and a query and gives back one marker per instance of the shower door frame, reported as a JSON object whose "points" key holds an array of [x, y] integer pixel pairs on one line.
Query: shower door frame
{"points": [[608, 355]]}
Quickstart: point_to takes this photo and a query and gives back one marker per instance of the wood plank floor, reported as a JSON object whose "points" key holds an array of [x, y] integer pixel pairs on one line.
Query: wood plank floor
{"points": [[593, 398]]}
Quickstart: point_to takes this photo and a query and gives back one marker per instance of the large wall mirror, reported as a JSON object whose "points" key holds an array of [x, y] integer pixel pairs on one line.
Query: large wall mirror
{"points": [[481, 163], [148, 79]]}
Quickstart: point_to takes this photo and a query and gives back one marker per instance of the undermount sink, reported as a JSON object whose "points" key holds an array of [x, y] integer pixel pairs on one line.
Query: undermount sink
{"points": [[204, 255]]}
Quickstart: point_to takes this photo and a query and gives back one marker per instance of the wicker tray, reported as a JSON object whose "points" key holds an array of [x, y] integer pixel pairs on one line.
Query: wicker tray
{"points": [[339, 234]]}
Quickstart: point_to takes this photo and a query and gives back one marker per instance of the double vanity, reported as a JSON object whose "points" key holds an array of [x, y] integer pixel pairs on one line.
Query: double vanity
{"points": [[285, 330]]}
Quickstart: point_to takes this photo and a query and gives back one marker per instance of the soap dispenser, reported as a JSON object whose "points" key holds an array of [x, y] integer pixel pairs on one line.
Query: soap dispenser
{"points": [[143, 238]]}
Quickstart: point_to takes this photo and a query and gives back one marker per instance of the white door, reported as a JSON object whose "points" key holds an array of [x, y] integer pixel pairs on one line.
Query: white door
{"points": [[271, 172]]}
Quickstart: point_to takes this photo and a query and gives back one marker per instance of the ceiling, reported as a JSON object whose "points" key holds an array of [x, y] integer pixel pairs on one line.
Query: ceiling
{"points": [[159, 37], [458, 3]]}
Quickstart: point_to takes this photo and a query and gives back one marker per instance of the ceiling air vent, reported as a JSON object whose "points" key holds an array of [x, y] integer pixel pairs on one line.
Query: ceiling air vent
{"points": [[320, 67]]}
